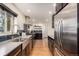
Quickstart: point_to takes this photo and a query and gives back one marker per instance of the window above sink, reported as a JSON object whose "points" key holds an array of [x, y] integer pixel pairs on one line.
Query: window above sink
{"points": [[7, 17]]}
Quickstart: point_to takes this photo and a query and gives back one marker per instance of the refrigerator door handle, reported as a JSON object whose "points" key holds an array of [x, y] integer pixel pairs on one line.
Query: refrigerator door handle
{"points": [[61, 30], [59, 34]]}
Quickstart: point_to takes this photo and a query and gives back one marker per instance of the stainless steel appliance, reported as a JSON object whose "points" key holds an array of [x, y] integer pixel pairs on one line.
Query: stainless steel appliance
{"points": [[66, 29]]}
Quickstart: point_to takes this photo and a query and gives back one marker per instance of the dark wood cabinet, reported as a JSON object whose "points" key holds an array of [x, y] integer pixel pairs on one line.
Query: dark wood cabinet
{"points": [[64, 4], [24, 52], [30, 46], [27, 50], [58, 6], [51, 44], [16, 52], [19, 51]]}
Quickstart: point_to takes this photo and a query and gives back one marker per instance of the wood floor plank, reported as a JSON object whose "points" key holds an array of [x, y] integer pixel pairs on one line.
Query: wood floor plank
{"points": [[40, 50]]}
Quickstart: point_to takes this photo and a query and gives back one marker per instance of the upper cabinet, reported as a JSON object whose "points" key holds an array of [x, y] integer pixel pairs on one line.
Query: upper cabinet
{"points": [[64, 4], [60, 6]]}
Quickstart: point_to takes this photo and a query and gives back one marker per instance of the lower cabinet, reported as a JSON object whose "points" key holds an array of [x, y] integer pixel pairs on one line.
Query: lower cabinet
{"points": [[16, 52], [28, 49], [22, 52], [51, 44], [57, 52], [30, 46]]}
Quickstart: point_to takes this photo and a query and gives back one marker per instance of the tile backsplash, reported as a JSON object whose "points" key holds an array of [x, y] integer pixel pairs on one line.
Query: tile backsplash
{"points": [[8, 37]]}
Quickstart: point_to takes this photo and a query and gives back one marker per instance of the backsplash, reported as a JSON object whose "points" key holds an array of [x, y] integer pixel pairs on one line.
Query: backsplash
{"points": [[8, 37]]}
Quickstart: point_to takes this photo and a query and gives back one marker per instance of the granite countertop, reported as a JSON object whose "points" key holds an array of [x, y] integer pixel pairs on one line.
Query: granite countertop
{"points": [[52, 36], [26, 39], [27, 36], [8, 47]]}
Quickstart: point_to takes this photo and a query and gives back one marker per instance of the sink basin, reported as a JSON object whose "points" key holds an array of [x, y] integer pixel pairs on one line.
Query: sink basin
{"points": [[18, 40], [24, 40]]}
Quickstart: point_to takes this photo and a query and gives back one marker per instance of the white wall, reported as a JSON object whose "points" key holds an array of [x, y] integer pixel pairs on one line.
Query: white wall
{"points": [[48, 31]]}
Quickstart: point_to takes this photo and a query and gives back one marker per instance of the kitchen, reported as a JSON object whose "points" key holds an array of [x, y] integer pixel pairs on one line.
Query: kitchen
{"points": [[39, 29]]}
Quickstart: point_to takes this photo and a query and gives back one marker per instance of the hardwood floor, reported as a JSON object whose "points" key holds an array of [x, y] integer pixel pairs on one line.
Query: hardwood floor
{"points": [[39, 49]]}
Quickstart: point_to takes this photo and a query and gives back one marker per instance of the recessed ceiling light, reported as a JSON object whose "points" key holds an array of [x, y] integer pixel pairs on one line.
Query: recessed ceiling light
{"points": [[28, 10], [50, 12]]}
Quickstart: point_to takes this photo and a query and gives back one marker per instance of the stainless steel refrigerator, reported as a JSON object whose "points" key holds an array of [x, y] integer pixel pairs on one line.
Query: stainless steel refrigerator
{"points": [[66, 29]]}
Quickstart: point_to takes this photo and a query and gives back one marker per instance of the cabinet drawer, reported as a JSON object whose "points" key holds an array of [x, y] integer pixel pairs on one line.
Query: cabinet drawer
{"points": [[16, 52]]}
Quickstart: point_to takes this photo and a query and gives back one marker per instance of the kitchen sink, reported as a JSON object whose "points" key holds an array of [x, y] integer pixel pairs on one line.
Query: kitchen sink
{"points": [[16, 40], [24, 42]]}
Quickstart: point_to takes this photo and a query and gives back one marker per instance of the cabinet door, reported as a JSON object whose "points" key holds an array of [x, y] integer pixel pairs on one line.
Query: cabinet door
{"points": [[51, 45], [64, 4], [59, 6], [30, 45], [28, 49], [24, 52], [48, 42]]}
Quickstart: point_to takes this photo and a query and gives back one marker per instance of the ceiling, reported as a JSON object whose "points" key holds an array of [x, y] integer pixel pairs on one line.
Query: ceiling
{"points": [[37, 11]]}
